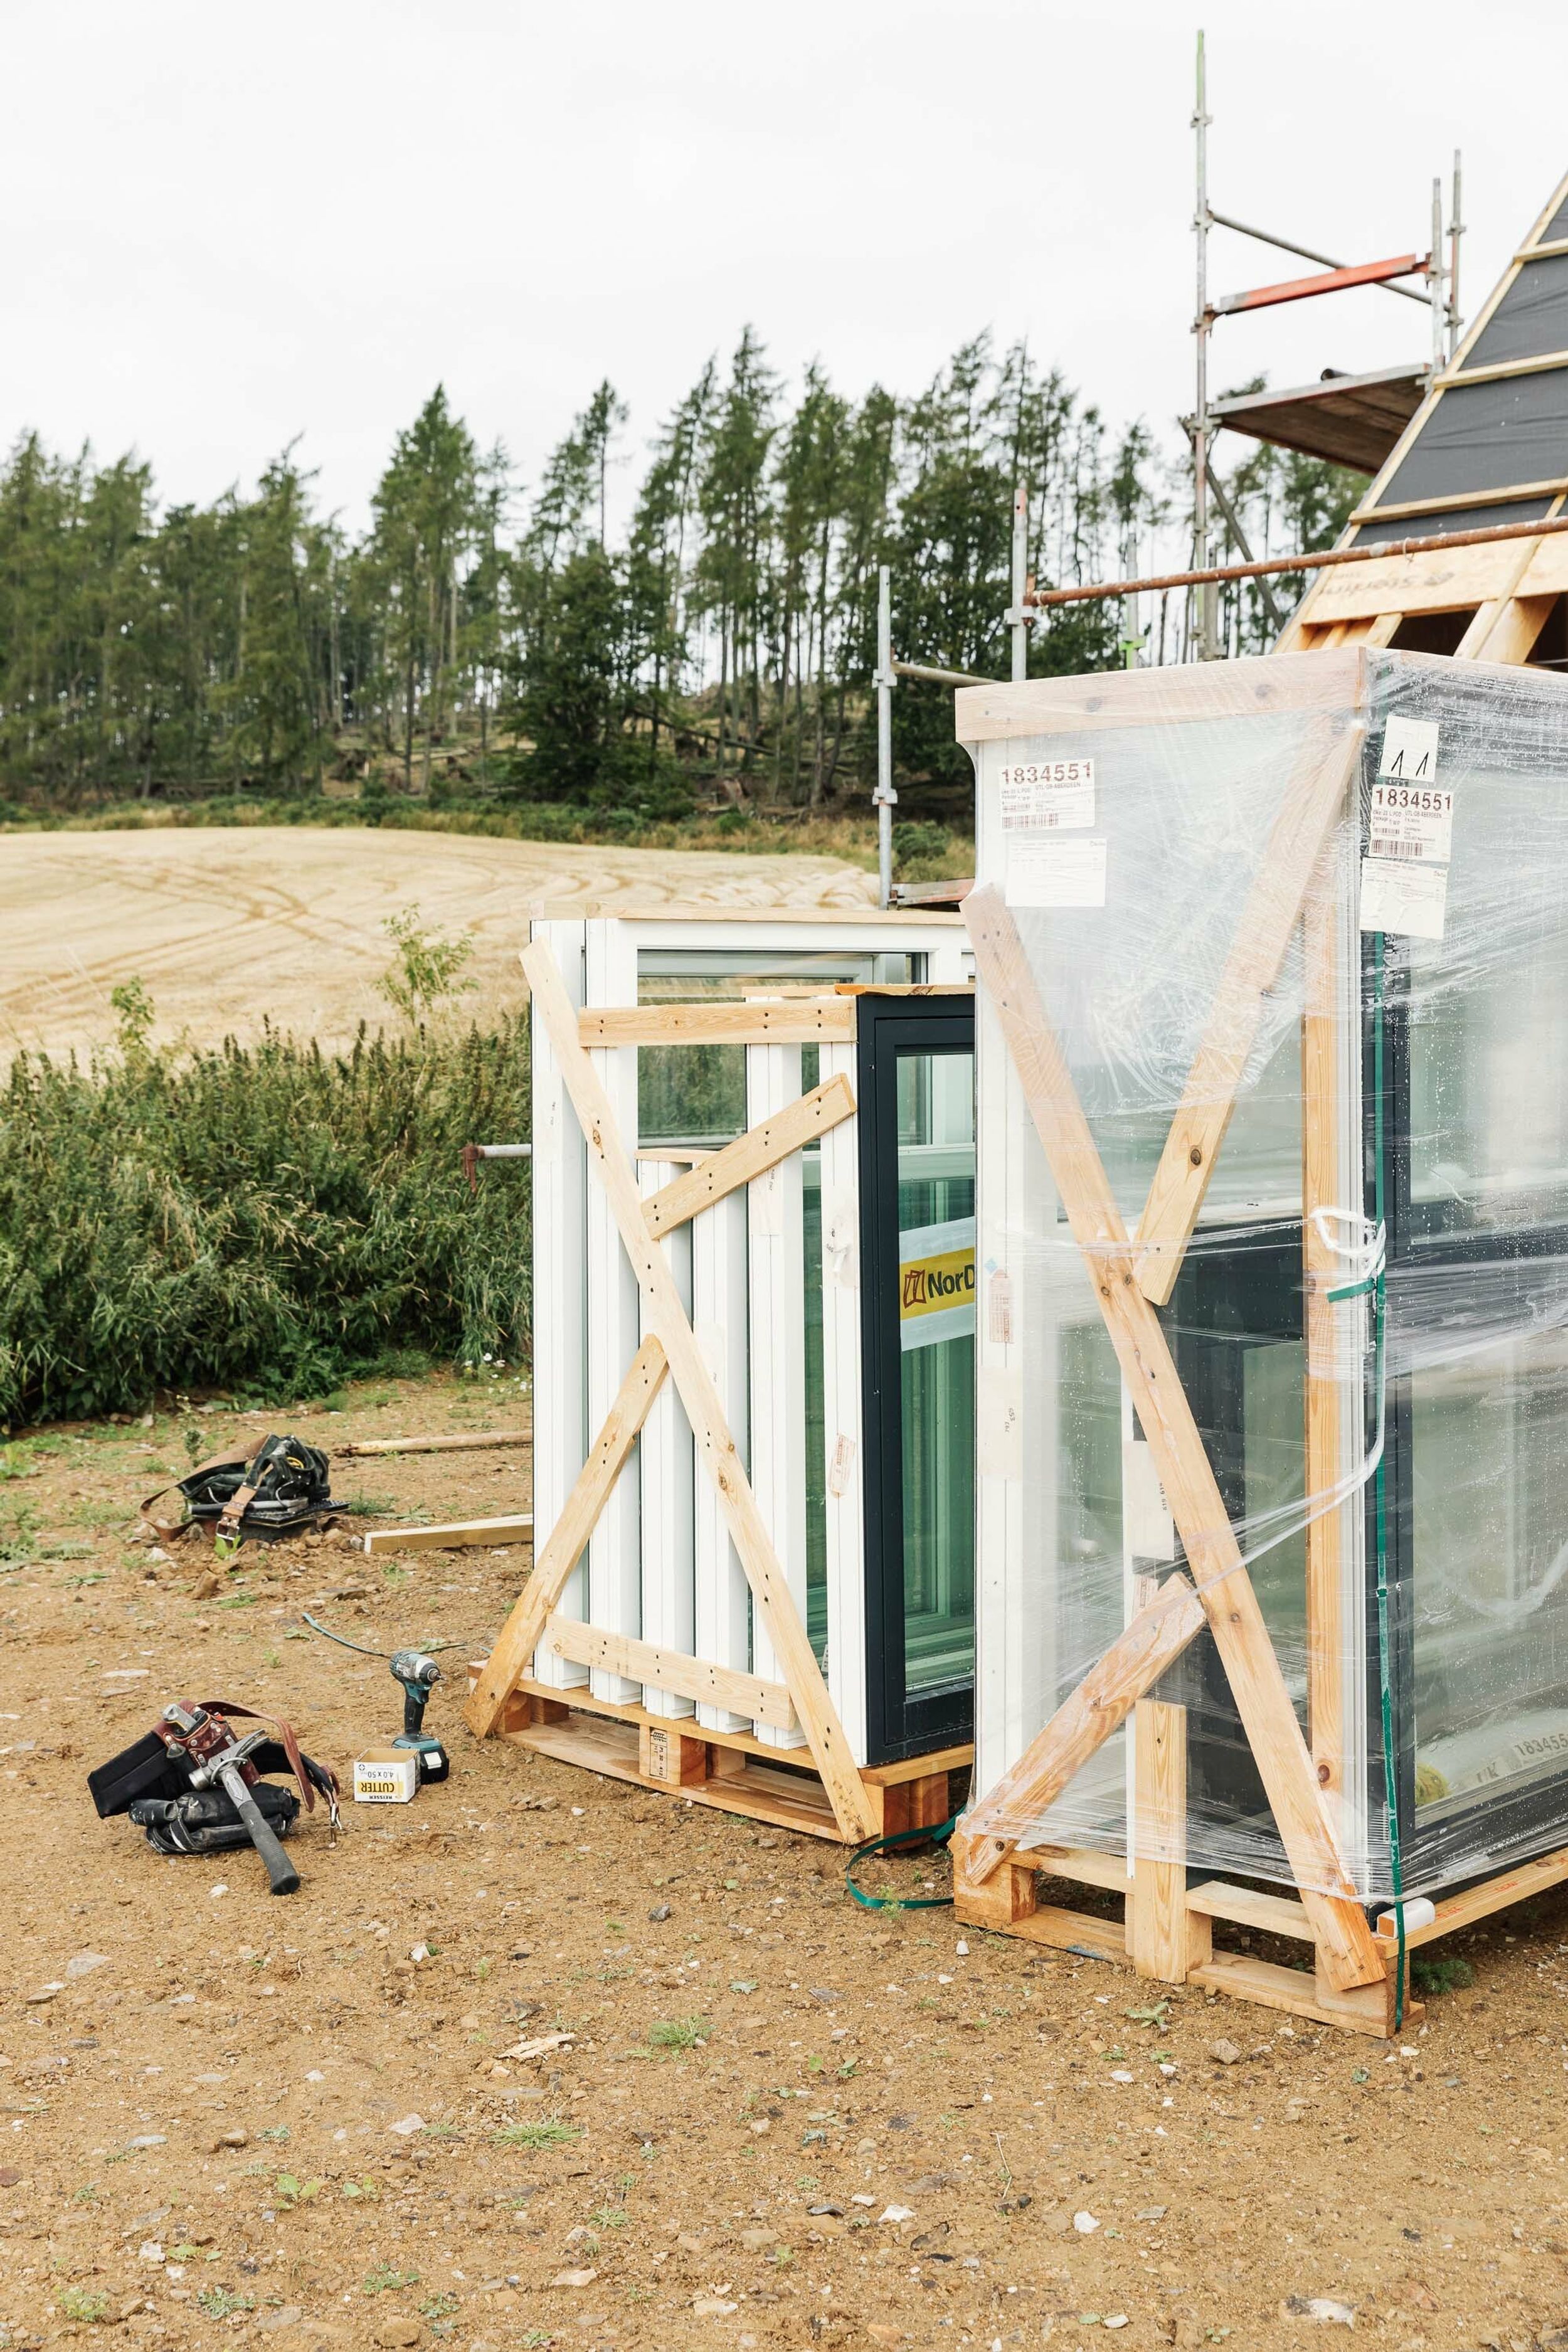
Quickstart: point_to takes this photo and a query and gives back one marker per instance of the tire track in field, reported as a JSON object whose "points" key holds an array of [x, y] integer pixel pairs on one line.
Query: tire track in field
{"points": [[227, 925]]}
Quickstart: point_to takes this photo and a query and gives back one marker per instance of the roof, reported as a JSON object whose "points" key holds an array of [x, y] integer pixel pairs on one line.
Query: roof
{"points": [[1490, 443]]}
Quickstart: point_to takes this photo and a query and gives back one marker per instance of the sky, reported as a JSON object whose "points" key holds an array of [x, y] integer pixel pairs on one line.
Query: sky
{"points": [[227, 227]]}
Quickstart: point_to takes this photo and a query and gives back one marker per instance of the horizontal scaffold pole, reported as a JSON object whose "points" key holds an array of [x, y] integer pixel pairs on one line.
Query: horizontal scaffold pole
{"points": [[1043, 597]]}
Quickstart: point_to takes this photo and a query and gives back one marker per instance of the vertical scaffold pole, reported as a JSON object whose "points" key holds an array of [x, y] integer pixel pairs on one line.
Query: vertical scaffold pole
{"points": [[1016, 612], [1456, 231], [1434, 277], [884, 798], [1208, 606]]}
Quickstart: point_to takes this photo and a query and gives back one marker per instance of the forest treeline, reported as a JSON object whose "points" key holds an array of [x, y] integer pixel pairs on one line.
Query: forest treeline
{"points": [[485, 638]]}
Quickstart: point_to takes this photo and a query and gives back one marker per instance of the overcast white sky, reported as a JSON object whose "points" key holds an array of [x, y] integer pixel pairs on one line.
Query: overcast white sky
{"points": [[224, 225]]}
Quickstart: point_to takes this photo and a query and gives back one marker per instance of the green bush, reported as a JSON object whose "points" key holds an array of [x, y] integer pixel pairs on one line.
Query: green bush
{"points": [[267, 1218], [925, 851]]}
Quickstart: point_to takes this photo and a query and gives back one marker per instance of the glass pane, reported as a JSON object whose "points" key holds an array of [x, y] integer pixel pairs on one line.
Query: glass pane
{"points": [[1489, 1442], [1489, 1083], [1273, 1418], [936, 1327], [697, 1094], [815, 1402]]}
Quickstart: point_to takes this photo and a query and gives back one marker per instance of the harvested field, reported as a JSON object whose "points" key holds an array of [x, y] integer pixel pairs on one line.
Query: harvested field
{"points": [[229, 927], [780, 2121]]}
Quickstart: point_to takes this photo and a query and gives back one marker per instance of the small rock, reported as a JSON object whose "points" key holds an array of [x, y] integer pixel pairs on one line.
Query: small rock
{"points": [[407, 2126], [1150, 2213], [206, 1585], [83, 1964], [235, 2138], [9, 2176], [757, 2241], [150, 2139], [49, 1992], [1320, 2307], [712, 2307], [579, 2278], [761, 2126], [396, 2335], [898, 2214], [1085, 2224], [1225, 2053], [292, 2313], [659, 1912], [881, 2332]]}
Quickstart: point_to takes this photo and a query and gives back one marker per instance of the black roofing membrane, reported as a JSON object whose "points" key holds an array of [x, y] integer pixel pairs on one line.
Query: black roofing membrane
{"points": [[1557, 226], [1487, 436], [1532, 319], [1449, 519]]}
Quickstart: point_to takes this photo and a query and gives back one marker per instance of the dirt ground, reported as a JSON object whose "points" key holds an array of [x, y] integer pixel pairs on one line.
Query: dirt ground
{"points": [[780, 2121], [228, 927]]}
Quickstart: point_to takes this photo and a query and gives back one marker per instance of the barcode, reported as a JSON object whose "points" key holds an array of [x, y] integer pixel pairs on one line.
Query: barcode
{"points": [[1395, 849]]}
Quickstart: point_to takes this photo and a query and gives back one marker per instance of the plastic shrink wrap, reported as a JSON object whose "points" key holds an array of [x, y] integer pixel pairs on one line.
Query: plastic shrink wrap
{"points": [[1273, 1255]]}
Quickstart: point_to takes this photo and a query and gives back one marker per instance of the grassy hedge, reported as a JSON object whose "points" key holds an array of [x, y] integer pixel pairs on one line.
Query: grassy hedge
{"points": [[264, 1220]]}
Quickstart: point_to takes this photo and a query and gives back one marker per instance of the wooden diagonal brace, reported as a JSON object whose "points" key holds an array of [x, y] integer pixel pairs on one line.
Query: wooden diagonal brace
{"points": [[1312, 803], [665, 1317], [1347, 1953], [519, 1636], [749, 1156], [1101, 1702]]}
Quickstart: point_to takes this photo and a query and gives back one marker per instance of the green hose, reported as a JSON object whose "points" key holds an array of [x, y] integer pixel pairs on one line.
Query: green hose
{"points": [[937, 1836]]}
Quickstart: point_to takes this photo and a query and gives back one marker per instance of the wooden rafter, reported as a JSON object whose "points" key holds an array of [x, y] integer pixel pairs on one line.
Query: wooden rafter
{"points": [[1348, 1955]]}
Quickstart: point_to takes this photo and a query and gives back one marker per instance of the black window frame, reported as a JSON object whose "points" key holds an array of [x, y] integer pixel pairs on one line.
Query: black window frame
{"points": [[887, 1026]]}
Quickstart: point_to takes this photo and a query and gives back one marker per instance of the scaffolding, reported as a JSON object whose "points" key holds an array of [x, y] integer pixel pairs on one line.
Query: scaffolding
{"points": [[1347, 419]]}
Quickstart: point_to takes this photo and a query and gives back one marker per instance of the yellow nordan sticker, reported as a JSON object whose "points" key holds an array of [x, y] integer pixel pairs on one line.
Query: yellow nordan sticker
{"points": [[936, 1284]]}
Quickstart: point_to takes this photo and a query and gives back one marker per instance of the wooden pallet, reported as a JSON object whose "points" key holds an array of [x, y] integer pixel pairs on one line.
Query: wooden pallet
{"points": [[1167, 1931], [732, 1770]]}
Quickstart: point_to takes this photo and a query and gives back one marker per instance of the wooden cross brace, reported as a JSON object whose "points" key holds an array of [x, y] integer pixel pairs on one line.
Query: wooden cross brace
{"points": [[670, 1346], [1123, 1275]]}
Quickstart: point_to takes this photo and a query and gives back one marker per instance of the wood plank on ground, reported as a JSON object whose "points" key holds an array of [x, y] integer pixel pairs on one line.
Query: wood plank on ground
{"points": [[514, 1526]]}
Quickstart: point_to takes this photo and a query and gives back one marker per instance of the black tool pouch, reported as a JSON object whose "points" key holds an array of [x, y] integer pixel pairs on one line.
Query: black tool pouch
{"points": [[203, 1821]]}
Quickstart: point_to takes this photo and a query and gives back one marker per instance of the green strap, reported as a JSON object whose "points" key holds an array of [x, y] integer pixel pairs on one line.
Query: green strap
{"points": [[937, 1836], [1380, 1497]]}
